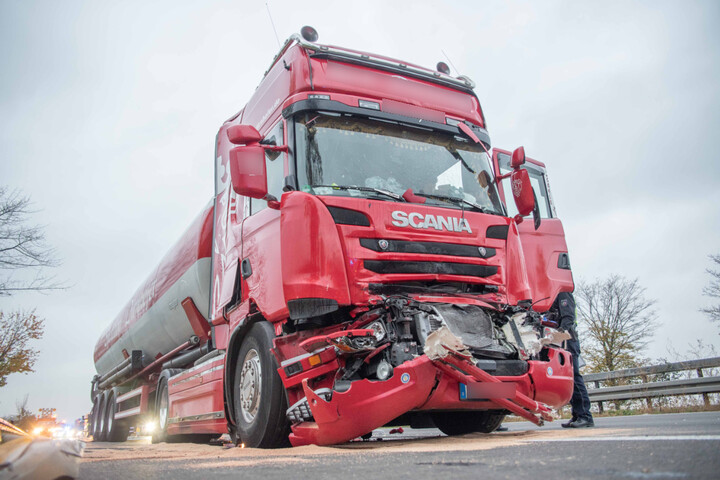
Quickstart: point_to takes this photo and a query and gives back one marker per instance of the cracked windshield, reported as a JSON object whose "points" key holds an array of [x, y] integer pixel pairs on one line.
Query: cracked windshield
{"points": [[354, 156]]}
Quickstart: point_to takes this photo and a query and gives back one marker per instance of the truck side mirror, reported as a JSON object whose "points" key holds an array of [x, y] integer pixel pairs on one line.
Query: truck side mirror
{"points": [[522, 191], [243, 134], [518, 158], [248, 172]]}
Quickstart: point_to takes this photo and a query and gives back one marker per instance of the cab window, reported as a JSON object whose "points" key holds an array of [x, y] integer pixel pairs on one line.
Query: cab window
{"points": [[539, 183], [275, 167]]}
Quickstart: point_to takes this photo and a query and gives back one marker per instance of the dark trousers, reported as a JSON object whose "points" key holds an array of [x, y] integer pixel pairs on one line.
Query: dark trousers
{"points": [[580, 401]]}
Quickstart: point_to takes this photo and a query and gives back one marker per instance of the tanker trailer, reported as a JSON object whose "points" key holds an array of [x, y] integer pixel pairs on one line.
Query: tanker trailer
{"points": [[164, 322]]}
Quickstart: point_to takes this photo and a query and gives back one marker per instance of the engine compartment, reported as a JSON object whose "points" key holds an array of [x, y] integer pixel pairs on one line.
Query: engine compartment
{"points": [[397, 330]]}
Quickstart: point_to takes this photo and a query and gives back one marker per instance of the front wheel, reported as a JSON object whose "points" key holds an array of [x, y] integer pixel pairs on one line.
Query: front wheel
{"points": [[462, 422], [259, 396]]}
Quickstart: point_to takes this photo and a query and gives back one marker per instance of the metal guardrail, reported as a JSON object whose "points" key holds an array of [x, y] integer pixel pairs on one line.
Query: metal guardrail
{"points": [[689, 386]]}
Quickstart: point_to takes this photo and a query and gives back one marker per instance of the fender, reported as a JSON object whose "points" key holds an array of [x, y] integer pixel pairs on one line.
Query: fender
{"points": [[233, 349]]}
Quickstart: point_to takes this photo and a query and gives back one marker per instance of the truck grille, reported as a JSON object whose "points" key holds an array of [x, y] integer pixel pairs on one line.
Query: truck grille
{"points": [[428, 248], [447, 268]]}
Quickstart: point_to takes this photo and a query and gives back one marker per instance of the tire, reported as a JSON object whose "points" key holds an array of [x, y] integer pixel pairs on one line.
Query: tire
{"points": [[162, 412], [94, 427], [99, 424], [462, 422], [259, 399], [115, 430]]}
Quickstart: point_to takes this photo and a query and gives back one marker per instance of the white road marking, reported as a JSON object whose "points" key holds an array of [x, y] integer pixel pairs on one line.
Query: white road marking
{"points": [[633, 438]]}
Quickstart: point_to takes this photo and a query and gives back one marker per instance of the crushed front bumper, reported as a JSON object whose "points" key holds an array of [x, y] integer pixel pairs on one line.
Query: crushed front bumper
{"points": [[425, 384]]}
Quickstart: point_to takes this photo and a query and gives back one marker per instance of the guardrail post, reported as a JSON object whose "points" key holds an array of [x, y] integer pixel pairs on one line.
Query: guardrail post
{"points": [[648, 400], [600, 404], [705, 396]]}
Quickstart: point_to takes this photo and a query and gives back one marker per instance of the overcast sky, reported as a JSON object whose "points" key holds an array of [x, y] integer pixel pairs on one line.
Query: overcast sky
{"points": [[109, 112]]}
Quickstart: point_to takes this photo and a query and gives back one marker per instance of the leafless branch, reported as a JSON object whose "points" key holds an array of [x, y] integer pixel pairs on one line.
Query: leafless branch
{"points": [[712, 290], [618, 319], [23, 247]]}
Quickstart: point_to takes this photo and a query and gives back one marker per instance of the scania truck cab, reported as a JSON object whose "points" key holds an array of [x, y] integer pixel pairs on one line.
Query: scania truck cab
{"points": [[372, 261]]}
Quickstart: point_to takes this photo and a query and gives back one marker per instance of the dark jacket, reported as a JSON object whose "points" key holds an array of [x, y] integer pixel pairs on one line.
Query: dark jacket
{"points": [[563, 312]]}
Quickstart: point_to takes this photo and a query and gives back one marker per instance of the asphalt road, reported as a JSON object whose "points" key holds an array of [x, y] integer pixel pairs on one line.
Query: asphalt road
{"points": [[671, 446]]}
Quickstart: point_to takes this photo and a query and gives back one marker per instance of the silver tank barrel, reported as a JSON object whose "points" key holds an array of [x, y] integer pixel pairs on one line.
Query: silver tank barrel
{"points": [[154, 320]]}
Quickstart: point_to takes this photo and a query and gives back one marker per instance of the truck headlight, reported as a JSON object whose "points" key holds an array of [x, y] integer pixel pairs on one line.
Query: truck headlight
{"points": [[378, 329]]}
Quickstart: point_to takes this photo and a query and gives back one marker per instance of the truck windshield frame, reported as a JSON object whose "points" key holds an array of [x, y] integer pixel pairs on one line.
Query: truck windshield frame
{"points": [[349, 150]]}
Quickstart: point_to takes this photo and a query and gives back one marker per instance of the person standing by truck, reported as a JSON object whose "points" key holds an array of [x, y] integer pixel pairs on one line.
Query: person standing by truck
{"points": [[563, 312]]}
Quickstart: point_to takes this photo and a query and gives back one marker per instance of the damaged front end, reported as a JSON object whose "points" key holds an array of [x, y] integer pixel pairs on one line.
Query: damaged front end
{"points": [[406, 355]]}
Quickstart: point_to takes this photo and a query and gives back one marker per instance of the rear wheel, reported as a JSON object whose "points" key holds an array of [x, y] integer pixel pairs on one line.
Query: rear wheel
{"points": [[116, 430], [259, 396], [162, 410], [94, 427], [99, 427], [462, 422]]}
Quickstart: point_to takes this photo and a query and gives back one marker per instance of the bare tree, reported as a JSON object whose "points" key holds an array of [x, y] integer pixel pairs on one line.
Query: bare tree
{"points": [[618, 322], [713, 291], [24, 257], [22, 247], [24, 417], [17, 329]]}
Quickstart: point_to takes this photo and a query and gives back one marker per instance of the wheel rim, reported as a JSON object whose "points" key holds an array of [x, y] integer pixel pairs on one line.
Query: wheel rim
{"points": [[250, 385], [163, 410]]}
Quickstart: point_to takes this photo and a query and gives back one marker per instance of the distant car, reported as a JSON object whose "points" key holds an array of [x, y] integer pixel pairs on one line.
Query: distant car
{"points": [[23, 456]]}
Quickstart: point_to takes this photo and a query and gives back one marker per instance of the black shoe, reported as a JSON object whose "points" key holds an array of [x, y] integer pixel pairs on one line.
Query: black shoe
{"points": [[568, 424], [582, 423]]}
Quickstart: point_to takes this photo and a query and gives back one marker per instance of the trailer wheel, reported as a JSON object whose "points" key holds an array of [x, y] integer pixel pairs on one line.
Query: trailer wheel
{"points": [[116, 430], [162, 412], [258, 394], [99, 424], [460, 423], [95, 420]]}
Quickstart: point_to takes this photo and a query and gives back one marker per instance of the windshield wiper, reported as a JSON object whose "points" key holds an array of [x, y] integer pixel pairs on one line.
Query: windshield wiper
{"points": [[392, 195], [455, 200]]}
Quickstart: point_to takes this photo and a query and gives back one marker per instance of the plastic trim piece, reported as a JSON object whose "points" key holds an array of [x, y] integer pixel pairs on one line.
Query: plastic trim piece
{"points": [[318, 104], [497, 231], [434, 268], [345, 216], [428, 248]]}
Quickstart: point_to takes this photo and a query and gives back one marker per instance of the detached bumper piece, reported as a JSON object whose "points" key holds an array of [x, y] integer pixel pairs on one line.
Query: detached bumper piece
{"points": [[477, 384], [366, 405]]}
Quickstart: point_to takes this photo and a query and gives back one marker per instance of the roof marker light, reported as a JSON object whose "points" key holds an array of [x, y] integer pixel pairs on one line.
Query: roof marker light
{"points": [[442, 67], [369, 104], [452, 121], [318, 96], [466, 79], [309, 33]]}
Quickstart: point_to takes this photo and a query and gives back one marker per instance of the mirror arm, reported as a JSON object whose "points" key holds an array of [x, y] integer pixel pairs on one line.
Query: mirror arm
{"points": [[272, 201], [502, 177], [275, 148]]}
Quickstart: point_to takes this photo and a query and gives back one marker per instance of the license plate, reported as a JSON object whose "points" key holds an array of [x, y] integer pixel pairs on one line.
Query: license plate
{"points": [[487, 391]]}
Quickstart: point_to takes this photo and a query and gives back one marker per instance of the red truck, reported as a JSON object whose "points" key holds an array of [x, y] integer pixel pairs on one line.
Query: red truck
{"points": [[361, 264]]}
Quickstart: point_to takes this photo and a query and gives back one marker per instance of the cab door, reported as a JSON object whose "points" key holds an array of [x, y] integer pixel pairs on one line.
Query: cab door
{"points": [[545, 250]]}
